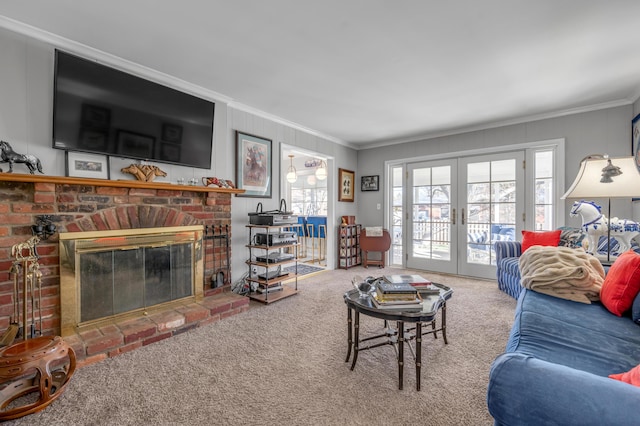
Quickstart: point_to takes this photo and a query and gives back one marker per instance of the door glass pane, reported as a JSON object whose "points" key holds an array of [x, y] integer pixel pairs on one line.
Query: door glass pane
{"points": [[491, 211], [478, 172], [396, 216], [544, 190], [431, 212], [478, 192], [503, 170]]}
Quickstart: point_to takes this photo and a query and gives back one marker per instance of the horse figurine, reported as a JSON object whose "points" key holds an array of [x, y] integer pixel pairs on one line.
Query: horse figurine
{"points": [[595, 224], [8, 155], [144, 172]]}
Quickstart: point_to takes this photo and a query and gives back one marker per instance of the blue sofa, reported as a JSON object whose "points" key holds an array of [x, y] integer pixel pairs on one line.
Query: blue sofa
{"points": [[555, 368]]}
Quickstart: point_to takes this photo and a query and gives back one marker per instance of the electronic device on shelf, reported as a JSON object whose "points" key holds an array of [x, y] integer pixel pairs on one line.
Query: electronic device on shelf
{"points": [[273, 274], [275, 257], [275, 238]]}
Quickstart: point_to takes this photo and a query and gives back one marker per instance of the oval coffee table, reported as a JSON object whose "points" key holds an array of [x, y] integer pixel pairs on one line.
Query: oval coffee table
{"points": [[364, 305]]}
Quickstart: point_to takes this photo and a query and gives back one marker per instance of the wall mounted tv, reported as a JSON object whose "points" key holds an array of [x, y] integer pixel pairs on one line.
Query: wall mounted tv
{"points": [[102, 110]]}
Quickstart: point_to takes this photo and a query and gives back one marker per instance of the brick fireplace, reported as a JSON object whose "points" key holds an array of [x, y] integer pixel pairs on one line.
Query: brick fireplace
{"points": [[80, 205]]}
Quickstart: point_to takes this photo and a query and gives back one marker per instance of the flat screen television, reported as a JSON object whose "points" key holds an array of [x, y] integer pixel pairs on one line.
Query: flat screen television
{"points": [[99, 109]]}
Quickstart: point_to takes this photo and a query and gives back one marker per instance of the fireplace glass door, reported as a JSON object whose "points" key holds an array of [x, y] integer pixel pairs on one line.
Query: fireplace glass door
{"points": [[118, 281]]}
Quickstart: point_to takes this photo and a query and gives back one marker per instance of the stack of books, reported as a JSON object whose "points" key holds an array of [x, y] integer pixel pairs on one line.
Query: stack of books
{"points": [[400, 296], [424, 286]]}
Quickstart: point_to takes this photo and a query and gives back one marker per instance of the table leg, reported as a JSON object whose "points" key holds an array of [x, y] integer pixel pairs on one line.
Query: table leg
{"points": [[418, 353], [356, 339], [444, 322], [400, 353], [349, 334]]}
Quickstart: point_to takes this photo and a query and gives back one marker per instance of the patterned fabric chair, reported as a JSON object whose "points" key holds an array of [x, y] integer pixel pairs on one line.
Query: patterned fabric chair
{"points": [[508, 254]]}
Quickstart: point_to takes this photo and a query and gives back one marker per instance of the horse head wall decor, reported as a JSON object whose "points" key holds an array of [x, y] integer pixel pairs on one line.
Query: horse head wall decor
{"points": [[596, 224], [8, 155], [144, 172]]}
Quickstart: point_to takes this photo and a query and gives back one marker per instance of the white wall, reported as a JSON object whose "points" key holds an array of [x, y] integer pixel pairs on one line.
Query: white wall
{"points": [[597, 132], [26, 99]]}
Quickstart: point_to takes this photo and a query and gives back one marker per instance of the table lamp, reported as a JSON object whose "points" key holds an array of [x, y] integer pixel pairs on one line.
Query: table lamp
{"points": [[603, 177]]}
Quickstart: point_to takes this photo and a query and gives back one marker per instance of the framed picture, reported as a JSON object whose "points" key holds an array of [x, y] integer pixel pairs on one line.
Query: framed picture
{"points": [[346, 180], [253, 165], [635, 139], [171, 133], [135, 145], [369, 183], [81, 164]]}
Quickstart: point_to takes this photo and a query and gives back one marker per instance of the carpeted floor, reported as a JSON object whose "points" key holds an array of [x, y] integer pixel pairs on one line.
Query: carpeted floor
{"points": [[284, 364]]}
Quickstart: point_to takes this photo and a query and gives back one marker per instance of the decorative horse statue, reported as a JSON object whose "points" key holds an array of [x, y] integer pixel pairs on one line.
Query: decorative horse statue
{"points": [[8, 155], [595, 224], [144, 172]]}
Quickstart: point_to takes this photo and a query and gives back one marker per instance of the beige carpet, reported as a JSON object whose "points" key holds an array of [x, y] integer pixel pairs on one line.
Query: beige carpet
{"points": [[284, 364]]}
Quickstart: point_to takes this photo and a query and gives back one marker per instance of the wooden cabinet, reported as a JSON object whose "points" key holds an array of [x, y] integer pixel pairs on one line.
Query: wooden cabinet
{"points": [[268, 260], [349, 246]]}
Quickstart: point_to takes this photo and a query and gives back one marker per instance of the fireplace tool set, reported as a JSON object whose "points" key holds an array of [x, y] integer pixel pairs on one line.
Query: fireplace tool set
{"points": [[221, 274], [36, 370], [26, 275]]}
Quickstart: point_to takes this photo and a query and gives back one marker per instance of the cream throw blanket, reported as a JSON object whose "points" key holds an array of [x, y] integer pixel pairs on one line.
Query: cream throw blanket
{"points": [[563, 272]]}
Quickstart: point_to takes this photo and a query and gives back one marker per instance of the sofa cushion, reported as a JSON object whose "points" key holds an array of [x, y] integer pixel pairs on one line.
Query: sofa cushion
{"points": [[571, 237], [622, 283], [585, 337], [540, 238]]}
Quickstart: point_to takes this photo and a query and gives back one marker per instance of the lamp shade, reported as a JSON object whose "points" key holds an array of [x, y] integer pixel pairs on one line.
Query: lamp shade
{"points": [[603, 177]]}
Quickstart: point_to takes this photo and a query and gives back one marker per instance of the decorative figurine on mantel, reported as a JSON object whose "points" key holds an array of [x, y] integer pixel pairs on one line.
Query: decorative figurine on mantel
{"points": [[219, 182], [8, 155], [144, 172]]}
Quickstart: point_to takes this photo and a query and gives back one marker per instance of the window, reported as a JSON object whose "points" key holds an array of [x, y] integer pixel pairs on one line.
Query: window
{"points": [[543, 191]]}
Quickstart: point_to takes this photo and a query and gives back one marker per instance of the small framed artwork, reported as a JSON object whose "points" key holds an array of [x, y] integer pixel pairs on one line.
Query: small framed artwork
{"points": [[369, 183], [346, 179], [81, 164], [171, 133], [635, 139], [135, 145], [253, 165]]}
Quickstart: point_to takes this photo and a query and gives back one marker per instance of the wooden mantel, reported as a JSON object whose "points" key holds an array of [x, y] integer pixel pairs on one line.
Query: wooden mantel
{"points": [[122, 183]]}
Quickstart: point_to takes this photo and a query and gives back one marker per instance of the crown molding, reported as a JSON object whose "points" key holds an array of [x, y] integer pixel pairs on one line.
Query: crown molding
{"points": [[496, 124], [257, 112]]}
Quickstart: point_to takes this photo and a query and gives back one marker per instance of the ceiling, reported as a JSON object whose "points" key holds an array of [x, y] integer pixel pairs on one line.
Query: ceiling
{"points": [[368, 73]]}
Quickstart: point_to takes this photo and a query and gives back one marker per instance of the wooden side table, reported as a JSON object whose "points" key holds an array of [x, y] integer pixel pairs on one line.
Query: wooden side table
{"points": [[42, 365]]}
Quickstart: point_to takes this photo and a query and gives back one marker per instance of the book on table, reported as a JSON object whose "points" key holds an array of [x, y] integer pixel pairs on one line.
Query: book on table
{"points": [[395, 288], [406, 278], [421, 284], [414, 303]]}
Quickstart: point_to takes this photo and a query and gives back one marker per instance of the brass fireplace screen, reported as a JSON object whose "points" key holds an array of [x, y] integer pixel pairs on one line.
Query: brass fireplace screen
{"points": [[107, 275]]}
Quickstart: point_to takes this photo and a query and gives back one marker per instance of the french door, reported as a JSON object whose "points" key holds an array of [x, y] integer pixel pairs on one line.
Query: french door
{"points": [[431, 216], [457, 208], [492, 209]]}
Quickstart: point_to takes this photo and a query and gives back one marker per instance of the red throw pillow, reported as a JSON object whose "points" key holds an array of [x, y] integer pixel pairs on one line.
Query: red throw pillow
{"points": [[540, 238], [622, 283], [632, 376]]}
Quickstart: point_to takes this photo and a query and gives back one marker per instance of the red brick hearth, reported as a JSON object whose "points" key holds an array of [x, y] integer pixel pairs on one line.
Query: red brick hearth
{"points": [[91, 204]]}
